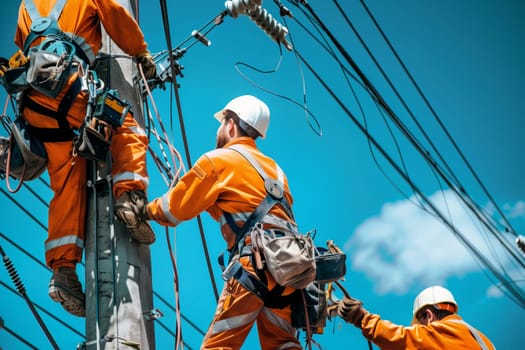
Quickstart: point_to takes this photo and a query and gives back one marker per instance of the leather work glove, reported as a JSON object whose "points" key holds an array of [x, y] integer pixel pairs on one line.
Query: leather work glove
{"points": [[351, 310], [148, 66], [131, 208]]}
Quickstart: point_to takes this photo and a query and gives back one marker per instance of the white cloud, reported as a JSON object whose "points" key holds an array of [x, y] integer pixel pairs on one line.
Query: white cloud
{"points": [[404, 246]]}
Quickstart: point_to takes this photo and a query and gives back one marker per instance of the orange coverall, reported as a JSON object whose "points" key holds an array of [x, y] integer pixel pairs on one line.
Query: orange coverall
{"points": [[442, 334], [67, 175], [223, 181]]}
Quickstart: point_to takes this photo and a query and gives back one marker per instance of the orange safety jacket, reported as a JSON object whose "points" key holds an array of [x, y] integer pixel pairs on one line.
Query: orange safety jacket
{"points": [[221, 181], [67, 174], [451, 332]]}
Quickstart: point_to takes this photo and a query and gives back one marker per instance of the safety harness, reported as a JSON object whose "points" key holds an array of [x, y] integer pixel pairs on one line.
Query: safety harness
{"points": [[48, 27], [274, 195], [474, 332]]}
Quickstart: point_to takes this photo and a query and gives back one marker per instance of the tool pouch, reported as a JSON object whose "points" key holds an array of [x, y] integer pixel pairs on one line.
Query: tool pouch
{"points": [[289, 256], [22, 156], [93, 140], [309, 308], [331, 266], [15, 80], [50, 66]]}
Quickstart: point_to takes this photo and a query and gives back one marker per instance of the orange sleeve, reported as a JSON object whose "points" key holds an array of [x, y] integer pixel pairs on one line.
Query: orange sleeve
{"points": [[195, 192], [121, 27], [437, 335]]}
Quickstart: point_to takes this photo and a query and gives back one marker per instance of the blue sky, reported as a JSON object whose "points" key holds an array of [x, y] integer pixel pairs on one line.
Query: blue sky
{"points": [[467, 58]]}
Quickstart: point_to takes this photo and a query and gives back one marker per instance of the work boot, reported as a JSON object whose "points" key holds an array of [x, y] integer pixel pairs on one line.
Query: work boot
{"points": [[131, 210], [65, 288]]}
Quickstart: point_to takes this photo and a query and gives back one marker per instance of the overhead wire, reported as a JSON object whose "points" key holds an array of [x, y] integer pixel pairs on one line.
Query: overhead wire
{"points": [[44, 310], [346, 73], [473, 205], [16, 335], [516, 293], [457, 189], [167, 32], [509, 227], [411, 114]]}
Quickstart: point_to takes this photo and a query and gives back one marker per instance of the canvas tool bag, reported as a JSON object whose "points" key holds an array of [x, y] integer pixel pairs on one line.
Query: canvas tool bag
{"points": [[50, 66], [289, 256], [22, 156]]}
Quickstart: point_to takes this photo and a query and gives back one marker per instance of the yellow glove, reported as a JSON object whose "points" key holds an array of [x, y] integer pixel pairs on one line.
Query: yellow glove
{"points": [[4, 66], [148, 66]]}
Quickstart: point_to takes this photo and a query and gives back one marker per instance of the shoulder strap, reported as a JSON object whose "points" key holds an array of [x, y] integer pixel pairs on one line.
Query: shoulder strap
{"points": [[54, 14], [272, 197], [474, 333], [49, 26], [273, 187]]}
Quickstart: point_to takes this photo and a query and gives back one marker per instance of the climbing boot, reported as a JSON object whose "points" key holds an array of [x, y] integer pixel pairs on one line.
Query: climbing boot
{"points": [[131, 210], [65, 288]]}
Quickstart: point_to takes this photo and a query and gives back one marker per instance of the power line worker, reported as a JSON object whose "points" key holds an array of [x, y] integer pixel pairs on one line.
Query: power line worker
{"points": [[435, 324], [223, 183], [54, 125]]}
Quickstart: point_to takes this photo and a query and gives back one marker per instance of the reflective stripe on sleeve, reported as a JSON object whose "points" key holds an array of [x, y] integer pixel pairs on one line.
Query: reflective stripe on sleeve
{"points": [[165, 208], [129, 176], [138, 130], [72, 239]]}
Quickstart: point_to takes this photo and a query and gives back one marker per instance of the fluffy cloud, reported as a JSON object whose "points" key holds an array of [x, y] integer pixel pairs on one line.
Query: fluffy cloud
{"points": [[405, 246]]}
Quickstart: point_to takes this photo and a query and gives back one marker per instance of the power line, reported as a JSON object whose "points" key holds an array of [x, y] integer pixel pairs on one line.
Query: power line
{"points": [[375, 94], [17, 336]]}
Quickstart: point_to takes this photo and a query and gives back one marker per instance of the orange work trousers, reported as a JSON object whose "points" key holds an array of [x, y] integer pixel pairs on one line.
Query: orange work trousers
{"points": [[67, 175], [237, 311]]}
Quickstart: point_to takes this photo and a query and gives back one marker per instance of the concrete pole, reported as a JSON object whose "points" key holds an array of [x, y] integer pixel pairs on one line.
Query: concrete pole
{"points": [[119, 294]]}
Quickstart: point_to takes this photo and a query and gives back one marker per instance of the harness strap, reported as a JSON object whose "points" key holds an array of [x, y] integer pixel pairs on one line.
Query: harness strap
{"points": [[84, 50], [264, 207], [54, 14], [272, 299], [63, 132], [474, 333], [256, 284]]}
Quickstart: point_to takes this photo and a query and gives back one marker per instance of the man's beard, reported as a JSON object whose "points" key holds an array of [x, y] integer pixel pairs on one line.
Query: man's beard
{"points": [[221, 141]]}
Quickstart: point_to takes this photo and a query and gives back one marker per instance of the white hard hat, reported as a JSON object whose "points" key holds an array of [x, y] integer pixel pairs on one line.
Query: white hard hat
{"points": [[432, 296], [251, 110]]}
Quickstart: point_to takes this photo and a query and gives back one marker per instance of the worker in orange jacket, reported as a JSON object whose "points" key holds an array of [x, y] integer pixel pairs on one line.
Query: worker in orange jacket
{"points": [[435, 325], [223, 183], [67, 173]]}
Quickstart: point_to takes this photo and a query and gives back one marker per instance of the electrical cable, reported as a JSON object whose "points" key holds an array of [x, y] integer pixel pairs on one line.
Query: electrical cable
{"points": [[44, 310], [17, 281], [39, 223], [519, 297], [185, 142], [474, 207], [509, 227], [15, 335], [459, 191]]}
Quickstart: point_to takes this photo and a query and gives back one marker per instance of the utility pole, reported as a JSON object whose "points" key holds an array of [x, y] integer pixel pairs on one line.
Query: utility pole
{"points": [[119, 298]]}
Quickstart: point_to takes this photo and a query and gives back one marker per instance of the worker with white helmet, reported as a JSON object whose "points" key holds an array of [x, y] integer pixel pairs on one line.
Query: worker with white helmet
{"points": [[226, 184], [435, 324]]}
